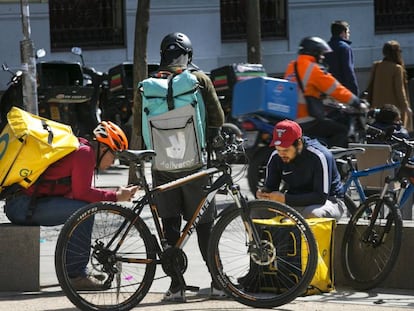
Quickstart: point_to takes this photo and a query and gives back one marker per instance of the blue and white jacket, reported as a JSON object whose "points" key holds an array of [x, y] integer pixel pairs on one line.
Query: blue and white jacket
{"points": [[312, 177]]}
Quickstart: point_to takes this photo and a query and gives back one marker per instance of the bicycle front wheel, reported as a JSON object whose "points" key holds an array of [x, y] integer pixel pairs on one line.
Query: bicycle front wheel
{"points": [[272, 273], [379, 245], [109, 244]]}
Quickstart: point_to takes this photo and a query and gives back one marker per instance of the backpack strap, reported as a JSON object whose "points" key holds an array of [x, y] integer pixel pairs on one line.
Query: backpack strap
{"points": [[170, 94], [298, 79], [49, 130], [60, 181], [67, 180]]}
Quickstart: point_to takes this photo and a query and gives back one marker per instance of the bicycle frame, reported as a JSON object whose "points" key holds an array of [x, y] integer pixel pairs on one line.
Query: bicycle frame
{"points": [[355, 175], [199, 211], [149, 198]]}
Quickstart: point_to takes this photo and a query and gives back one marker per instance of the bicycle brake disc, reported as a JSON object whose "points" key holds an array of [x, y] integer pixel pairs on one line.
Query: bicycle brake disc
{"points": [[264, 255]]}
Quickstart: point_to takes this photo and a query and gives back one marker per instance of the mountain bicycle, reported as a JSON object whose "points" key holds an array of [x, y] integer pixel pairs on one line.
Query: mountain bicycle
{"points": [[355, 193], [374, 231], [124, 252]]}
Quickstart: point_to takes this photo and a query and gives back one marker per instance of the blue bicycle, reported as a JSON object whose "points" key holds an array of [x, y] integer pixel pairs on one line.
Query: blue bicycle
{"points": [[374, 230], [351, 176]]}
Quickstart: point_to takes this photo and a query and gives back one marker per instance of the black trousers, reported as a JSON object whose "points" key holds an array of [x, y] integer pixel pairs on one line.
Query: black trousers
{"points": [[332, 133]]}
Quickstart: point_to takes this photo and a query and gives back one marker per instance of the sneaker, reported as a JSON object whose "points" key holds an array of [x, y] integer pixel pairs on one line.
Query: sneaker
{"points": [[178, 296], [86, 283], [217, 293]]}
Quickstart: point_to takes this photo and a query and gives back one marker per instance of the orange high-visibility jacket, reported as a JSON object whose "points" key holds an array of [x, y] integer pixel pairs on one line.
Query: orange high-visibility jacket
{"points": [[315, 81]]}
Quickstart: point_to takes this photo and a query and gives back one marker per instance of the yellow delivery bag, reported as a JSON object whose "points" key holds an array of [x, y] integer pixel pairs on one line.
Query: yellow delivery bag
{"points": [[29, 144]]}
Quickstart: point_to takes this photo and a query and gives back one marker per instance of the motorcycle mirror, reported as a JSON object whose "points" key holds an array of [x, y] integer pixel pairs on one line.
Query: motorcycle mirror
{"points": [[40, 53], [76, 50]]}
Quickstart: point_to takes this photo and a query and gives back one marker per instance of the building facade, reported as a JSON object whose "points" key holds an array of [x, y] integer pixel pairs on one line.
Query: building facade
{"points": [[109, 30]]}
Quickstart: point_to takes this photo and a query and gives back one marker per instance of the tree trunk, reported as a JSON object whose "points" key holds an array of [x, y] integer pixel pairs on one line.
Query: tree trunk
{"points": [[254, 53], [140, 73]]}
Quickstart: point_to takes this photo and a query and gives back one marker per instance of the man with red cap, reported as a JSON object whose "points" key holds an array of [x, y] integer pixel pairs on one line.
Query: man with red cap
{"points": [[309, 171]]}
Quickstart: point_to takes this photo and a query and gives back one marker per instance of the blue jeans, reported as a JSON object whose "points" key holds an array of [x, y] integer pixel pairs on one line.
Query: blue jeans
{"points": [[53, 211]]}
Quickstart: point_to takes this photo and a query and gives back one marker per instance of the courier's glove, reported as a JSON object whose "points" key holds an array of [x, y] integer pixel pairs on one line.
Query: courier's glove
{"points": [[214, 137], [360, 104], [356, 103]]}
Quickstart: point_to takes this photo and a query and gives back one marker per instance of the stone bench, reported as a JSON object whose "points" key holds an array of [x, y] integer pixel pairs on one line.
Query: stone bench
{"points": [[19, 257], [401, 275]]}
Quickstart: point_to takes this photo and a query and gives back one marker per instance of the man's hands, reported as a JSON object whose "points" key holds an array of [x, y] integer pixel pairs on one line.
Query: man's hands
{"points": [[126, 193], [272, 196]]}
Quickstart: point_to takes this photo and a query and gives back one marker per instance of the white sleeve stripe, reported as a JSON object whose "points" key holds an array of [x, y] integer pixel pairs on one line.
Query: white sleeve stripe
{"points": [[324, 163], [268, 161]]}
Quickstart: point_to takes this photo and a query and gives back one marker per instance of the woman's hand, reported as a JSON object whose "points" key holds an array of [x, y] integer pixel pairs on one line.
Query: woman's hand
{"points": [[126, 193]]}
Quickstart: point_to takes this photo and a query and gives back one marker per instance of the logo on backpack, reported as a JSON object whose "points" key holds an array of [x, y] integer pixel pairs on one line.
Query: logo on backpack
{"points": [[173, 121], [177, 148], [3, 147]]}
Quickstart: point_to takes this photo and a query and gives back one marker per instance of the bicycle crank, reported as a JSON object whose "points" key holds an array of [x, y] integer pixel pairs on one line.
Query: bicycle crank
{"points": [[173, 259]]}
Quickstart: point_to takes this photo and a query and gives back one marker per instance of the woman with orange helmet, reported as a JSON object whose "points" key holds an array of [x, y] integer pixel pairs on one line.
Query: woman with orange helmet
{"points": [[66, 186], [111, 139]]}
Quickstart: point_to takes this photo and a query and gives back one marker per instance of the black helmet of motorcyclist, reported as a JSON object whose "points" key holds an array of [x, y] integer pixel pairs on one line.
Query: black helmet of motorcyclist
{"points": [[315, 47], [176, 49]]}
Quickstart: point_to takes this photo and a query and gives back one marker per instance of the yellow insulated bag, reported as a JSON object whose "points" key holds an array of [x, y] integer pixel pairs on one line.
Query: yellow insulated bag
{"points": [[29, 144], [290, 253]]}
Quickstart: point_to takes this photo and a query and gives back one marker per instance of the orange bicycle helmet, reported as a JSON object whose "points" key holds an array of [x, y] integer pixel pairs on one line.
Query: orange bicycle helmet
{"points": [[111, 135]]}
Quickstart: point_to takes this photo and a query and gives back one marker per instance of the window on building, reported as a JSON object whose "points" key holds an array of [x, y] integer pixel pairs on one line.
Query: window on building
{"points": [[86, 23], [394, 15], [233, 19]]}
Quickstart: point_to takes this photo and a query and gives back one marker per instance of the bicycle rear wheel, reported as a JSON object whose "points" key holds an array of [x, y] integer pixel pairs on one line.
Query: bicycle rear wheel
{"points": [[120, 258], [264, 275], [380, 246], [350, 205]]}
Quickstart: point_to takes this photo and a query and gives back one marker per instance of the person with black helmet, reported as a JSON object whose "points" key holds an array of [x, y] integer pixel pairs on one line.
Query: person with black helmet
{"points": [[65, 187], [314, 82], [176, 56]]}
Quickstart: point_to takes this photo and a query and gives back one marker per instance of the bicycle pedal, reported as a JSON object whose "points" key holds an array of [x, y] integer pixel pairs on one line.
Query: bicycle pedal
{"points": [[192, 288]]}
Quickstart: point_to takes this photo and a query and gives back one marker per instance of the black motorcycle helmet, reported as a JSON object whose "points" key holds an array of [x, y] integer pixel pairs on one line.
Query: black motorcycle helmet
{"points": [[314, 46], [176, 42]]}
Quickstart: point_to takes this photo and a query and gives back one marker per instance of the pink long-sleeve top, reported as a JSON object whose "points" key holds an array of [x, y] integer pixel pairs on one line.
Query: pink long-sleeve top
{"points": [[79, 166]]}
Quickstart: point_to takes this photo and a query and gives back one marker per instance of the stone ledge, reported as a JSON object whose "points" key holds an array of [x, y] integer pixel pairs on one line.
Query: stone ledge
{"points": [[401, 276], [19, 257]]}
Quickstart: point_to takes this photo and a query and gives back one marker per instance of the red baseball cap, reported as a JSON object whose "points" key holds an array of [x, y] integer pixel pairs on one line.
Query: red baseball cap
{"points": [[285, 133]]}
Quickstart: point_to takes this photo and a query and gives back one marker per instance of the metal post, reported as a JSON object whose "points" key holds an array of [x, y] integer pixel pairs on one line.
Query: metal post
{"points": [[28, 63], [254, 53]]}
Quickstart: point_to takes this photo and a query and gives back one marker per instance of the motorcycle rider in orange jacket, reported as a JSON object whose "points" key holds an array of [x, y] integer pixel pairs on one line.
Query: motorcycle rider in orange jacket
{"points": [[317, 82]]}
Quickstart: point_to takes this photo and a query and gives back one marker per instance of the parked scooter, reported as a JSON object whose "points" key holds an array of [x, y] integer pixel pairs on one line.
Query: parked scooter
{"points": [[63, 95], [257, 133], [120, 95], [97, 80], [13, 95]]}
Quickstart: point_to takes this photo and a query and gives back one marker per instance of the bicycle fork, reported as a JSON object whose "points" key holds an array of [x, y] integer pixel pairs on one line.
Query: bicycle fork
{"points": [[257, 252], [371, 235]]}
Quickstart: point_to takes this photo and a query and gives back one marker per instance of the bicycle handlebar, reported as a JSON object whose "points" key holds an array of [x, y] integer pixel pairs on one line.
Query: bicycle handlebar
{"points": [[364, 107], [388, 135]]}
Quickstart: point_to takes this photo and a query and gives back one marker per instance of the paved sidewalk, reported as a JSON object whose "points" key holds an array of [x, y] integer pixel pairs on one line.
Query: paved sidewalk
{"points": [[51, 297]]}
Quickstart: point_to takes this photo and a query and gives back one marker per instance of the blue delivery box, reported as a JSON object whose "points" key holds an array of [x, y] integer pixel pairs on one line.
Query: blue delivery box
{"points": [[264, 95]]}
